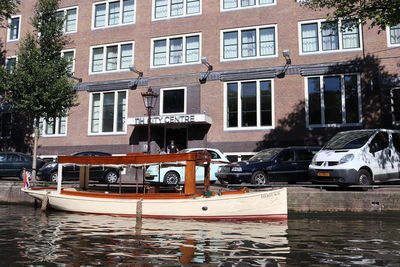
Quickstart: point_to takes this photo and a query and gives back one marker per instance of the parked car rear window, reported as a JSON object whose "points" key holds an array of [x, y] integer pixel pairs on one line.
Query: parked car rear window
{"points": [[304, 154], [349, 140], [266, 154]]}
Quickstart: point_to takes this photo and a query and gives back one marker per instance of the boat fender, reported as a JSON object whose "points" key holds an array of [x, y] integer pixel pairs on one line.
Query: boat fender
{"points": [[204, 208]]}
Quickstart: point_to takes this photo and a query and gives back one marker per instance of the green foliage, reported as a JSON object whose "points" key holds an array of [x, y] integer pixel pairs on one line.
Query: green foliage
{"points": [[40, 86], [380, 13], [7, 8]]}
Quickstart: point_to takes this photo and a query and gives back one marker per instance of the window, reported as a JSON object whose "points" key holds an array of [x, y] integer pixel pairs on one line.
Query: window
{"points": [[14, 28], [108, 112], [333, 100], [113, 57], [393, 35], [241, 4], [53, 126], [71, 18], [321, 36], [173, 101], [113, 13], [176, 50], [395, 94], [249, 105], [287, 155], [5, 125], [70, 55], [175, 8], [380, 141], [248, 43], [11, 63], [396, 141]]}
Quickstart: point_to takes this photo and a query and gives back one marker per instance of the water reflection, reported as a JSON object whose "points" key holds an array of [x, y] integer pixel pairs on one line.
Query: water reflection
{"points": [[77, 239], [29, 237]]}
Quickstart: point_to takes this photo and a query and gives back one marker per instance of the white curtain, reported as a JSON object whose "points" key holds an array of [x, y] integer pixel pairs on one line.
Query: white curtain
{"points": [[100, 15], [176, 7], [112, 58], [113, 14], [161, 9], [309, 36], [128, 11], [71, 20], [192, 49], [126, 56], [97, 62], [249, 43], [160, 52], [267, 42], [175, 51], [230, 4], [230, 45], [192, 6]]}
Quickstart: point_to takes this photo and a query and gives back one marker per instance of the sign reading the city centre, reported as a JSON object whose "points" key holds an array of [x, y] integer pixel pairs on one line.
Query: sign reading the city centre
{"points": [[171, 119]]}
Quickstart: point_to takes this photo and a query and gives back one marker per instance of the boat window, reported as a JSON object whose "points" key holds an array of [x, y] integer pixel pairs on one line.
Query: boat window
{"points": [[349, 140]]}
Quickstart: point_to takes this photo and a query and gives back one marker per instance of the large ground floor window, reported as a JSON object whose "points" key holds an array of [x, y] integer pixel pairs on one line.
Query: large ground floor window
{"points": [[333, 100], [249, 104], [108, 112]]}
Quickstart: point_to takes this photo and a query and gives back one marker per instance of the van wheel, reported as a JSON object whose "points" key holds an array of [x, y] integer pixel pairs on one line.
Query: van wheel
{"points": [[259, 178], [171, 178], [364, 178]]}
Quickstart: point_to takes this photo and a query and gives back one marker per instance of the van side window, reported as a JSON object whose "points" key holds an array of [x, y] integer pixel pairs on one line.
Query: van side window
{"points": [[381, 141], [396, 141]]}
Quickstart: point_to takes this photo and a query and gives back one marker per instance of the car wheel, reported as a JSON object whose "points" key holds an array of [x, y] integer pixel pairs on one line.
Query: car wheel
{"points": [[54, 177], [259, 178], [111, 177], [21, 174], [171, 178], [364, 178]]}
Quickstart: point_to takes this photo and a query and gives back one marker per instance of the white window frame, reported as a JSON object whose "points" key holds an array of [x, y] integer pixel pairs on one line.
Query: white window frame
{"points": [[167, 39], [57, 127], [388, 38], [340, 36], [19, 29], [104, 46], [65, 9], [73, 58], [394, 121], [153, 13], [258, 127], [162, 100], [239, 31], [119, 24], [239, 7], [343, 101], [10, 57], [90, 133]]}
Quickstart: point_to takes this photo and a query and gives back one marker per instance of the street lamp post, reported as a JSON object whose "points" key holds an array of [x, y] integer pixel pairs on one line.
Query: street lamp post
{"points": [[149, 100]]}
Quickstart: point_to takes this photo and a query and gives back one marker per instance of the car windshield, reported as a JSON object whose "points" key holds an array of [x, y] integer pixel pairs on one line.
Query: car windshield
{"points": [[348, 140], [266, 154]]}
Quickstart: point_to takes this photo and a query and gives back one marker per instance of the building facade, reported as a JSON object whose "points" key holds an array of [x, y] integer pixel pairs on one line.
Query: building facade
{"points": [[329, 80]]}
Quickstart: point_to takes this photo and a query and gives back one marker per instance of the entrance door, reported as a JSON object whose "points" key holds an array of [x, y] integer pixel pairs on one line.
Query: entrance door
{"points": [[178, 135]]}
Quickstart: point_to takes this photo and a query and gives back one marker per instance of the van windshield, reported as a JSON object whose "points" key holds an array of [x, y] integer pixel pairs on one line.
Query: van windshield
{"points": [[266, 154], [349, 140]]}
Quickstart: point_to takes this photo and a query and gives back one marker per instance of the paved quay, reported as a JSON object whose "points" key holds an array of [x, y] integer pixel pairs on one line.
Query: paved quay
{"points": [[300, 199]]}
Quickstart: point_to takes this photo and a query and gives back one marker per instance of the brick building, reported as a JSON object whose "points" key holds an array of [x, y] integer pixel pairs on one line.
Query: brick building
{"points": [[337, 79]]}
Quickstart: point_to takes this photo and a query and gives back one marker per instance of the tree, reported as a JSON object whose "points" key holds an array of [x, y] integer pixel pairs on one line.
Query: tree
{"points": [[40, 87], [380, 13], [7, 8]]}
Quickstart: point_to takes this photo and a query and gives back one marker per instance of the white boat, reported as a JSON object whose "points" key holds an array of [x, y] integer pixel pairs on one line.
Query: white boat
{"points": [[242, 204]]}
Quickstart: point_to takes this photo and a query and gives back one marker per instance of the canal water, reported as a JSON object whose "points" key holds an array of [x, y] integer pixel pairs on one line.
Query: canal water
{"points": [[29, 237]]}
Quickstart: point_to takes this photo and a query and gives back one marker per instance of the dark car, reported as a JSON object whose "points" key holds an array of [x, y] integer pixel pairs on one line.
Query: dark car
{"points": [[12, 164], [109, 175], [270, 165]]}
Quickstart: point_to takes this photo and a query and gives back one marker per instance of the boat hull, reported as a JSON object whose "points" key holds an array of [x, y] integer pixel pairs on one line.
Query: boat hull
{"points": [[271, 205]]}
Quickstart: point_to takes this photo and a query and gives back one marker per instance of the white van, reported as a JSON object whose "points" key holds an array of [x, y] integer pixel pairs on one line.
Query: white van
{"points": [[358, 157]]}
